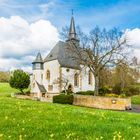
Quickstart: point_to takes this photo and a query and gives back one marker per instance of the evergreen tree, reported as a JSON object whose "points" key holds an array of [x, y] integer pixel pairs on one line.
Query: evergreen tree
{"points": [[19, 80]]}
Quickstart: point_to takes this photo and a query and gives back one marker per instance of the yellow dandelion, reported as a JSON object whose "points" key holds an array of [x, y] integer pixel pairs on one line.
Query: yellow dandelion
{"points": [[101, 137], [52, 135], [1, 135], [20, 137]]}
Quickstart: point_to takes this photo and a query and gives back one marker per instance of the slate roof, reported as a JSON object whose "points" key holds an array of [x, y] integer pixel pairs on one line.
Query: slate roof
{"points": [[41, 87], [61, 53], [38, 59], [72, 31]]}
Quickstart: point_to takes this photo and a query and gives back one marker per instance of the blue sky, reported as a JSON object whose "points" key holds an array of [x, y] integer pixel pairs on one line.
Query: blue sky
{"points": [[31, 26], [88, 13]]}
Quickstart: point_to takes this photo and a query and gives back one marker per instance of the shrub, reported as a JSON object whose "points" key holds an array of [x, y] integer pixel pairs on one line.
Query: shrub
{"points": [[81, 92], [63, 99], [88, 92], [133, 91], [115, 95], [104, 90], [117, 89], [19, 80], [67, 91], [128, 91], [111, 95], [122, 96]]}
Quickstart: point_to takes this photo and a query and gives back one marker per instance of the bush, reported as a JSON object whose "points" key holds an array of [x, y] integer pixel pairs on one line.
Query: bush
{"points": [[115, 95], [67, 91], [63, 99], [128, 91], [19, 80], [122, 96], [111, 95], [132, 91], [88, 92], [104, 90], [117, 89]]}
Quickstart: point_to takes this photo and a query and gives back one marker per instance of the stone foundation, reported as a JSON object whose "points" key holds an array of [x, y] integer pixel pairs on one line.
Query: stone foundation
{"points": [[102, 102]]}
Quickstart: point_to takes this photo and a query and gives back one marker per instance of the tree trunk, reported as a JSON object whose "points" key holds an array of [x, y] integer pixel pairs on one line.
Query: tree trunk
{"points": [[96, 85], [21, 91]]}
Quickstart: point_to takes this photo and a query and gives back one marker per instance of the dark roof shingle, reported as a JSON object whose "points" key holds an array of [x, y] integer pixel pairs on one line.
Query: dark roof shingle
{"points": [[61, 53], [41, 87]]}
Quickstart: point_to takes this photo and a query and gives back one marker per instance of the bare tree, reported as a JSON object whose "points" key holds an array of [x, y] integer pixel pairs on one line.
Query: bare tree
{"points": [[63, 81], [100, 49]]}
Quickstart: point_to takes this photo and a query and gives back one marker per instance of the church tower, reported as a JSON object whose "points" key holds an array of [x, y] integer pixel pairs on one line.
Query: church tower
{"points": [[38, 62], [72, 36], [38, 69]]}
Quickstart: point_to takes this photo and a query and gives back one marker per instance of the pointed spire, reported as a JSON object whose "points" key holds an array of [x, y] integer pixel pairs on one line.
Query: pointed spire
{"points": [[38, 58], [72, 31]]}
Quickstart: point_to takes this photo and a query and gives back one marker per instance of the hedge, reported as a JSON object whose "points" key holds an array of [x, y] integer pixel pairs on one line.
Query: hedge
{"points": [[88, 92], [63, 99]]}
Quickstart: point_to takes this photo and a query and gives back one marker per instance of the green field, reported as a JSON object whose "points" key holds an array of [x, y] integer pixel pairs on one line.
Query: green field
{"points": [[5, 89], [32, 120], [136, 99]]}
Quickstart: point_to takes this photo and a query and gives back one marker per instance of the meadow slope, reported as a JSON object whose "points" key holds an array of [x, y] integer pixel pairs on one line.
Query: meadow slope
{"points": [[25, 119]]}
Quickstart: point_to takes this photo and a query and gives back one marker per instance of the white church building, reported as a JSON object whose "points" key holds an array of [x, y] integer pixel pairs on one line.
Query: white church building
{"points": [[58, 71]]}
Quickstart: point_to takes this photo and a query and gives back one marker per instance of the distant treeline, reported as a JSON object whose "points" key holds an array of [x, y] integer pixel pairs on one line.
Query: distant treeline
{"points": [[4, 76]]}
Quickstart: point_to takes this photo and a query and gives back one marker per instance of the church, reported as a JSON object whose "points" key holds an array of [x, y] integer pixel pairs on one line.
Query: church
{"points": [[58, 72]]}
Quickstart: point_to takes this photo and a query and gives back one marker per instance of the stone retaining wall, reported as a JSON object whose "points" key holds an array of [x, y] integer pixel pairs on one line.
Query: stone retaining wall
{"points": [[23, 97], [102, 102]]}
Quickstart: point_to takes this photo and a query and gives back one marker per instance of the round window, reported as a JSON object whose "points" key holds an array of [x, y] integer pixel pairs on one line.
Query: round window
{"points": [[67, 70]]}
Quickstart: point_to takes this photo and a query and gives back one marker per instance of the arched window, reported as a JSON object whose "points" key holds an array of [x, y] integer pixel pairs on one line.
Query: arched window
{"points": [[41, 76], [48, 75], [34, 76], [33, 85], [90, 77], [76, 80]]}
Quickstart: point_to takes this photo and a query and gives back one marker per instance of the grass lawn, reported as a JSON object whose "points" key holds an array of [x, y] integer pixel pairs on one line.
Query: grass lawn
{"points": [[5, 89], [136, 99], [32, 120]]}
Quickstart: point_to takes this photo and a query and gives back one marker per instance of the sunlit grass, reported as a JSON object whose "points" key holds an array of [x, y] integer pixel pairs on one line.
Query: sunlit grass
{"points": [[32, 120], [136, 99], [5, 89]]}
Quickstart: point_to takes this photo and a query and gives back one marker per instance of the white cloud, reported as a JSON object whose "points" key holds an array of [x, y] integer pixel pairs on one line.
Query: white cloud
{"points": [[133, 36], [20, 41]]}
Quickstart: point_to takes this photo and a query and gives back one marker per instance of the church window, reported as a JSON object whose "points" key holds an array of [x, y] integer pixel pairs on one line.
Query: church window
{"points": [[34, 76], [67, 70], [33, 85], [41, 76], [90, 77], [76, 80], [38, 66], [48, 75]]}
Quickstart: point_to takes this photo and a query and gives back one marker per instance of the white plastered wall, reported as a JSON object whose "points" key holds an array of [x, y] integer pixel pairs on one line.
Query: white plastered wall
{"points": [[54, 68], [83, 79]]}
